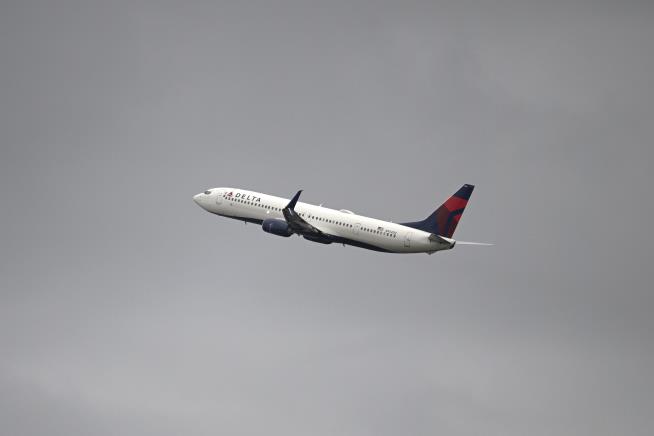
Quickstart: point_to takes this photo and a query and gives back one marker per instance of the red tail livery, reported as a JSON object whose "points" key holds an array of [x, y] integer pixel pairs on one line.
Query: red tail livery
{"points": [[444, 220]]}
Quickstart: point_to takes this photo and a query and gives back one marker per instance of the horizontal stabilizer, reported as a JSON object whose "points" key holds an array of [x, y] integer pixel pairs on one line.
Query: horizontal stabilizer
{"points": [[450, 243]]}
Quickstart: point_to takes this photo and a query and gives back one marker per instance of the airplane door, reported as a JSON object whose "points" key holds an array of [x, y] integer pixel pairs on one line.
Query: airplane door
{"points": [[356, 228], [407, 239]]}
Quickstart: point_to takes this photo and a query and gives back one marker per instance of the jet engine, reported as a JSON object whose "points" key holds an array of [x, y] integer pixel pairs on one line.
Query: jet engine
{"points": [[276, 227]]}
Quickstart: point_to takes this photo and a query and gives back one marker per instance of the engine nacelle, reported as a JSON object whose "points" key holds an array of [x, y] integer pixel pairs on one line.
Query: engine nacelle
{"points": [[276, 227]]}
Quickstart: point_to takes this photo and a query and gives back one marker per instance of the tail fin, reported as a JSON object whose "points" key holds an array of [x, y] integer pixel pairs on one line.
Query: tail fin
{"points": [[444, 219]]}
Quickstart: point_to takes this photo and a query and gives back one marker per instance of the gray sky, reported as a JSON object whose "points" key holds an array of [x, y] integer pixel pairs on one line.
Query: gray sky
{"points": [[126, 309]]}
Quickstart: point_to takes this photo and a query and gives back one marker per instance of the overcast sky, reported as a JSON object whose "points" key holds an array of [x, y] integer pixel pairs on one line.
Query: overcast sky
{"points": [[125, 309]]}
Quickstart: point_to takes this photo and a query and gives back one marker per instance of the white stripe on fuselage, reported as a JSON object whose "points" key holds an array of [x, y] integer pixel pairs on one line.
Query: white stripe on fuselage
{"points": [[240, 203]]}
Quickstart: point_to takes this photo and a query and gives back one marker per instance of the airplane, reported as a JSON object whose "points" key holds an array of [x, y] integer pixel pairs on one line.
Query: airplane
{"points": [[282, 217]]}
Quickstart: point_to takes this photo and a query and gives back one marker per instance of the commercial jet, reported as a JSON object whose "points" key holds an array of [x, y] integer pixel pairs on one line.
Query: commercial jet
{"points": [[282, 217]]}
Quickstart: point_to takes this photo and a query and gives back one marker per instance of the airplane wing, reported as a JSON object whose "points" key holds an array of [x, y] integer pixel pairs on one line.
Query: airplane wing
{"points": [[296, 222]]}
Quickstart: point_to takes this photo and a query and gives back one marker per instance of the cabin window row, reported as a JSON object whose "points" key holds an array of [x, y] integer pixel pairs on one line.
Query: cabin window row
{"points": [[313, 217], [261, 205], [325, 220], [379, 232]]}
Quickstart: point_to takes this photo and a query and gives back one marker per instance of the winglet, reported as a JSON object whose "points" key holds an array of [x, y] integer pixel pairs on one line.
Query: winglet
{"points": [[291, 204]]}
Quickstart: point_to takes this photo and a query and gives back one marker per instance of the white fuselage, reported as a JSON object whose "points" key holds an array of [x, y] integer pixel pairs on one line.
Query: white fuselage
{"points": [[345, 226]]}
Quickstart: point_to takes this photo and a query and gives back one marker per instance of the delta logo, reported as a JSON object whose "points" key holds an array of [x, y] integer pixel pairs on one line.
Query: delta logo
{"points": [[242, 196]]}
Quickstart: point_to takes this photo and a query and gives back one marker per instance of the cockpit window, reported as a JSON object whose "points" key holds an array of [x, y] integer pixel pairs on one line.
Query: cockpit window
{"points": [[207, 192]]}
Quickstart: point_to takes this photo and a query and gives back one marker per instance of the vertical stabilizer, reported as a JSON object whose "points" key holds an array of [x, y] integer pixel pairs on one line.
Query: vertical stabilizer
{"points": [[444, 220]]}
